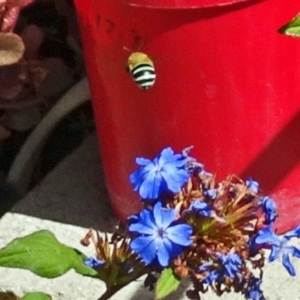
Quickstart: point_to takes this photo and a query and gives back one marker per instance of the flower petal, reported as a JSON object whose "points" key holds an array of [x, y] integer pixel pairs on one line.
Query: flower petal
{"points": [[205, 266], [174, 178], [143, 161], [146, 217], [235, 259], [211, 193], [163, 216], [165, 156], [254, 292], [231, 263], [164, 248], [201, 207], [266, 236], [252, 185], [140, 228], [177, 161], [212, 277], [269, 207], [150, 187], [275, 252], [295, 252], [176, 250], [145, 247], [144, 223], [136, 178], [180, 234], [93, 262], [293, 233], [288, 265]]}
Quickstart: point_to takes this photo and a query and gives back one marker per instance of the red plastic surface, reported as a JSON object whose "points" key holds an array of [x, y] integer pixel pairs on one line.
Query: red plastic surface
{"points": [[180, 3], [227, 83]]}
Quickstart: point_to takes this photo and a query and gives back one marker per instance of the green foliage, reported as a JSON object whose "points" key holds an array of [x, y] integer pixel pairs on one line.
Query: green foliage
{"points": [[36, 296], [41, 253], [292, 28], [166, 284]]}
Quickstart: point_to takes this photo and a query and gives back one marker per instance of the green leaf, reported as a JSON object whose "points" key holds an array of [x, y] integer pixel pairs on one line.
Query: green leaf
{"points": [[41, 253], [167, 283], [292, 28], [36, 296]]}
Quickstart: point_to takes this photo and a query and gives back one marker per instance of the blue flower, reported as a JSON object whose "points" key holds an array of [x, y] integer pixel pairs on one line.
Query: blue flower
{"points": [[226, 265], [254, 292], [211, 193], [213, 276], [167, 172], [201, 207], [158, 238], [269, 208], [279, 246], [252, 185], [231, 263], [93, 262]]}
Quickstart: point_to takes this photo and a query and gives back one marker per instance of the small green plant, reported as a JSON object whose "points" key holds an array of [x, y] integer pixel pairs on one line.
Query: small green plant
{"points": [[41, 253], [27, 296], [292, 28]]}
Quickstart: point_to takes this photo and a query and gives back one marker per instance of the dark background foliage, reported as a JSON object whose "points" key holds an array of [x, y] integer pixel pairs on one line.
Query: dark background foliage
{"points": [[40, 59]]}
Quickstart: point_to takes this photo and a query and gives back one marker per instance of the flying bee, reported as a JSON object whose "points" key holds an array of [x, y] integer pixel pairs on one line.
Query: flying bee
{"points": [[141, 69]]}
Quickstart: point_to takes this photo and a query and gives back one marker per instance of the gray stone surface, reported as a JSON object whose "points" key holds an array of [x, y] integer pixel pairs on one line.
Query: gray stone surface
{"points": [[74, 193], [278, 285], [68, 286]]}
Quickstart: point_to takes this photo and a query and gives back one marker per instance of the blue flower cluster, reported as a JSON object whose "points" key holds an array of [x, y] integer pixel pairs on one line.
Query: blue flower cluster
{"points": [[197, 227], [229, 266], [159, 238]]}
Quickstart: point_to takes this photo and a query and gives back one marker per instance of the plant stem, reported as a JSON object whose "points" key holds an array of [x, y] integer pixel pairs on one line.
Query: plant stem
{"points": [[109, 292], [114, 288]]}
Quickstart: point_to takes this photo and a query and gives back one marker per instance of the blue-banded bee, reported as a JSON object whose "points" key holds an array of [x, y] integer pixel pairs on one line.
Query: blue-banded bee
{"points": [[141, 68]]}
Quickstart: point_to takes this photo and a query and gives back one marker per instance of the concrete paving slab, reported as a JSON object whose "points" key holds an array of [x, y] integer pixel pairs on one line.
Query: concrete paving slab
{"points": [[278, 285], [74, 192]]}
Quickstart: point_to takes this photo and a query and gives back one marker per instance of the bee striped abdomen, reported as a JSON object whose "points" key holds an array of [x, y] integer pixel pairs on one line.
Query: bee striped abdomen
{"points": [[144, 75], [141, 69]]}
